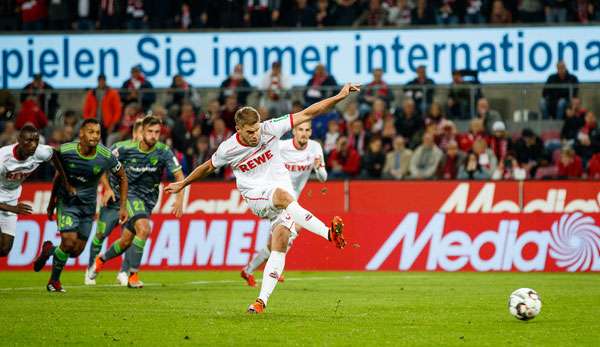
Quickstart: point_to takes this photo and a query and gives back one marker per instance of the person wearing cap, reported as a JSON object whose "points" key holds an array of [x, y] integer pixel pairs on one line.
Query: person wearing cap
{"points": [[489, 116], [43, 93], [500, 142], [104, 104]]}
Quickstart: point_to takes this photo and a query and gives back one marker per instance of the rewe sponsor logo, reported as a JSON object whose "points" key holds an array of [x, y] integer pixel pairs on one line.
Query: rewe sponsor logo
{"points": [[555, 202], [572, 243], [295, 167], [254, 162]]}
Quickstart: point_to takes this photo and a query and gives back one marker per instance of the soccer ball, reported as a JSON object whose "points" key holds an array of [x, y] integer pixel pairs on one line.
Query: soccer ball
{"points": [[524, 304]]}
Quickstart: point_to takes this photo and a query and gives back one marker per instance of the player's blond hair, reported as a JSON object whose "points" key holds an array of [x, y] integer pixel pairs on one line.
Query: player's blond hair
{"points": [[246, 116]]}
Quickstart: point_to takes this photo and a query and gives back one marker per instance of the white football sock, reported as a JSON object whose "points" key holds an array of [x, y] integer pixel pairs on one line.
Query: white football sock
{"points": [[258, 259], [307, 220], [271, 274]]}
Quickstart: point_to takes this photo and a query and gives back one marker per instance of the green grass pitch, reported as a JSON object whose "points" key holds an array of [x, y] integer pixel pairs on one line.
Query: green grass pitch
{"points": [[310, 308]]}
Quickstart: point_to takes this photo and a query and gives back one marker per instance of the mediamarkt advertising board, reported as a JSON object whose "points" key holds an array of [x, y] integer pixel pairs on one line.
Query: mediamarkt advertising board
{"points": [[401, 226]]}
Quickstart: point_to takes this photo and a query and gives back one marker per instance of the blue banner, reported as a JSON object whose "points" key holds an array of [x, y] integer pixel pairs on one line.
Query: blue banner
{"points": [[502, 55]]}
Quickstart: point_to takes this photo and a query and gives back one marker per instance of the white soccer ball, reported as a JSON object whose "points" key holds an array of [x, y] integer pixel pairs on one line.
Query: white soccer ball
{"points": [[524, 303]]}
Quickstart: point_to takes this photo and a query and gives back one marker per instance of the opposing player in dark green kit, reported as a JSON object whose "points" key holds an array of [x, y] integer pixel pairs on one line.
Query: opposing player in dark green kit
{"points": [[144, 163], [109, 214], [84, 163]]}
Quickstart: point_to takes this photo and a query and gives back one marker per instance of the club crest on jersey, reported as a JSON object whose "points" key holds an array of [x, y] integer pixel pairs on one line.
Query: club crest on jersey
{"points": [[153, 160], [96, 169], [251, 164]]}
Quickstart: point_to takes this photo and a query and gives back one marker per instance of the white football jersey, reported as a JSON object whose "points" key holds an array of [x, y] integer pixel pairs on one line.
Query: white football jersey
{"points": [[300, 162], [260, 166], [13, 172]]}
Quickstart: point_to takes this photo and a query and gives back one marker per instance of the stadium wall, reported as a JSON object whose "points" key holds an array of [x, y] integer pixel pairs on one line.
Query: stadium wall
{"points": [[395, 226], [501, 55]]}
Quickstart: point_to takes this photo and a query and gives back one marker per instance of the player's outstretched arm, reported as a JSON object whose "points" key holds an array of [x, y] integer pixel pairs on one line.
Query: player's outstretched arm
{"points": [[123, 186], [107, 192], [178, 205], [199, 173], [60, 170], [19, 208], [53, 197], [324, 105]]}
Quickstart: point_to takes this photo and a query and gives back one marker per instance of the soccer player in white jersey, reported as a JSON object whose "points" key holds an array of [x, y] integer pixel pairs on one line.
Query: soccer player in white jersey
{"points": [[17, 162], [264, 182], [301, 156]]}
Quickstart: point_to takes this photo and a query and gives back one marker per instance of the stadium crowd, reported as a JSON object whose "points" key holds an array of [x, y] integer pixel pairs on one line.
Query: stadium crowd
{"points": [[61, 15], [374, 136]]}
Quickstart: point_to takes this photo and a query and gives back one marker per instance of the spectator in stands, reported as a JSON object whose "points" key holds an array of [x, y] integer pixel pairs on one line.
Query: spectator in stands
{"points": [[397, 161], [374, 159], [202, 151], [426, 159], [500, 142], [459, 97], [34, 14], [499, 14], [301, 14], [529, 150], [488, 115], [583, 10], [423, 13], [261, 13], [471, 169], [373, 90], [588, 138], [8, 136], [435, 115], [509, 169], [86, 14], [184, 127], [556, 11], [399, 15], [559, 89], [110, 14], [473, 12], [219, 134], [138, 89], [421, 90], [320, 86], [59, 15], [476, 132], [376, 118], [350, 114], [7, 104], [445, 134], [32, 113], [344, 160], [408, 123], [487, 159], [594, 167], [451, 162], [275, 87], [104, 104], [345, 12], [358, 137], [224, 14], [182, 91], [447, 12], [228, 111], [531, 11], [137, 16], [131, 112], [44, 94], [331, 137], [574, 120], [8, 15], [375, 15], [570, 165], [546, 170], [323, 15], [388, 134], [236, 84]]}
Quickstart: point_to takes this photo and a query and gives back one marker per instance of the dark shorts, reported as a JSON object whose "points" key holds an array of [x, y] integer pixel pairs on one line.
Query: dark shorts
{"points": [[74, 219], [137, 209], [108, 220]]}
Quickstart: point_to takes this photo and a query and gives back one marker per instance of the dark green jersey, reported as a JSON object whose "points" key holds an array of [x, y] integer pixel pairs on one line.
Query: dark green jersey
{"points": [[144, 169], [84, 173]]}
